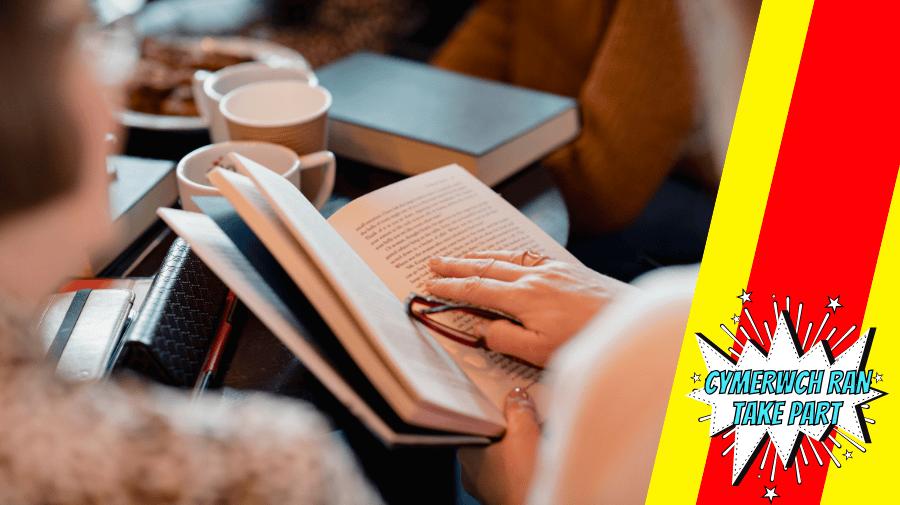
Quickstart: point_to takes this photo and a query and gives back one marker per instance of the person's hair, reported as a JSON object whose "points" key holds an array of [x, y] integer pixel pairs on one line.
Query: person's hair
{"points": [[40, 151]]}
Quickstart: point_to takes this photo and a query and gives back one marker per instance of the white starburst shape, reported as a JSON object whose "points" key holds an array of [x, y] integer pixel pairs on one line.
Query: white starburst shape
{"points": [[785, 356]]}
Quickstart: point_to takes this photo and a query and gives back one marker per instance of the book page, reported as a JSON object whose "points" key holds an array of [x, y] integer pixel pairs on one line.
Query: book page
{"points": [[445, 212]]}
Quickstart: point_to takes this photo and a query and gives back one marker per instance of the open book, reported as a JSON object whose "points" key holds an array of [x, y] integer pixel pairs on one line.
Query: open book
{"points": [[333, 292]]}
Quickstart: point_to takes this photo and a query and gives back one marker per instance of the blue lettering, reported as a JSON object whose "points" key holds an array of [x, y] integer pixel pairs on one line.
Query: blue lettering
{"points": [[837, 409], [864, 380], [749, 416], [800, 386], [815, 381], [785, 382], [741, 382], [779, 410], [708, 386], [796, 408], [768, 381], [738, 408], [755, 384], [833, 379], [809, 410]]}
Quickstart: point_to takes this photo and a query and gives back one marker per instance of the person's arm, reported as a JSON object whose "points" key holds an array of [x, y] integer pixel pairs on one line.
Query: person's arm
{"points": [[636, 113], [482, 45]]}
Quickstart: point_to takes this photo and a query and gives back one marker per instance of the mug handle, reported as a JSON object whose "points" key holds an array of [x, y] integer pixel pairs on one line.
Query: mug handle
{"points": [[320, 159], [197, 89]]}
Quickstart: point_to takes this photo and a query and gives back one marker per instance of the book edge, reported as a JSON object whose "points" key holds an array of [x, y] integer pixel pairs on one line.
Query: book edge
{"points": [[412, 157]]}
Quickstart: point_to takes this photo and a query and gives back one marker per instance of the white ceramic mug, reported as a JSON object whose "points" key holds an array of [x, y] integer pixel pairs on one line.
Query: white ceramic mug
{"points": [[291, 113], [192, 169], [210, 88]]}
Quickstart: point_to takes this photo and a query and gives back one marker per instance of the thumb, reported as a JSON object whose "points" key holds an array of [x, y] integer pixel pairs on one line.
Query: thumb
{"points": [[523, 431], [509, 338]]}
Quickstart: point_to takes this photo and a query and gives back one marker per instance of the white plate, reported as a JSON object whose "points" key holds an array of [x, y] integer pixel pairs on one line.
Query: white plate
{"points": [[266, 52]]}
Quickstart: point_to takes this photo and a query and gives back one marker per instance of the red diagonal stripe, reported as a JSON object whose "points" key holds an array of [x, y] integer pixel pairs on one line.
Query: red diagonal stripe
{"points": [[827, 206]]}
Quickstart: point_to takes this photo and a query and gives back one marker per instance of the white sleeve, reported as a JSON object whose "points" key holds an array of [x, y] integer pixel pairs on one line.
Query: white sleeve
{"points": [[610, 387]]}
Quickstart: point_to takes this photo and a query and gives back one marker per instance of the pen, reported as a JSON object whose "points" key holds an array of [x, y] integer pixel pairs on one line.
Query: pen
{"points": [[223, 330]]}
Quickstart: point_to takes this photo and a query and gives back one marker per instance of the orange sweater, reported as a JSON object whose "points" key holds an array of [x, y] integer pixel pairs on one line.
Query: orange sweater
{"points": [[624, 60]]}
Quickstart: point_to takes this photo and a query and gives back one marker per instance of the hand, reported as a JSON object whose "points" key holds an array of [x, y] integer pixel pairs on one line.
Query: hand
{"points": [[500, 474], [553, 299]]}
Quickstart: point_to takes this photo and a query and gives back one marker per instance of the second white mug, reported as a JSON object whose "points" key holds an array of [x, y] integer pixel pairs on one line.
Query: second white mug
{"points": [[210, 88]]}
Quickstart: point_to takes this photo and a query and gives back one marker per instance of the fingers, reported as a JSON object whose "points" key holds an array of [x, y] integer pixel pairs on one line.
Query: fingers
{"points": [[508, 338], [477, 267], [475, 290], [526, 258]]}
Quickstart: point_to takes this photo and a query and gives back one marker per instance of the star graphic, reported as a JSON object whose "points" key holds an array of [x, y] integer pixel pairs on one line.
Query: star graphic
{"points": [[833, 304], [878, 378], [770, 494], [744, 296], [696, 377], [847, 454], [736, 318]]}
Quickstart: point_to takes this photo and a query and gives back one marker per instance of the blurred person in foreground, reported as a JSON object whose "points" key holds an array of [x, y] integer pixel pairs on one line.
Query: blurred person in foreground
{"points": [[609, 381], [65, 443]]}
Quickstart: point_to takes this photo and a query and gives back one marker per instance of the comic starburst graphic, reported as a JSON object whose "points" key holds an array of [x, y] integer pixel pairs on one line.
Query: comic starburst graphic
{"points": [[796, 391]]}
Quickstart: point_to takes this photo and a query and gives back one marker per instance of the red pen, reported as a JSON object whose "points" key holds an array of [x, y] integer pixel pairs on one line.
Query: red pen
{"points": [[214, 356]]}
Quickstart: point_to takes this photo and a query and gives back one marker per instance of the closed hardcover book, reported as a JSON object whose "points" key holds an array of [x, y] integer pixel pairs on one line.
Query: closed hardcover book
{"points": [[140, 187], [410, 117]]}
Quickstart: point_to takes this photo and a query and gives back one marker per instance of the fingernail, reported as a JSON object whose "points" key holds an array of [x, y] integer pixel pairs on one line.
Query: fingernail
{"points": [[481, 330], [518, 394], [434, 261], [519, 399]]}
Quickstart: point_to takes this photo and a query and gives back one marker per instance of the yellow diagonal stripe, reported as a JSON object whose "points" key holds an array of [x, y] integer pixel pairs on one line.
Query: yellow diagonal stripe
{"points": [[870, 477], [737, 218]]}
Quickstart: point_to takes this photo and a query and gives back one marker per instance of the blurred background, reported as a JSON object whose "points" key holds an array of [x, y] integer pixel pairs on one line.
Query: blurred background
{"points": [[321, 30]]}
